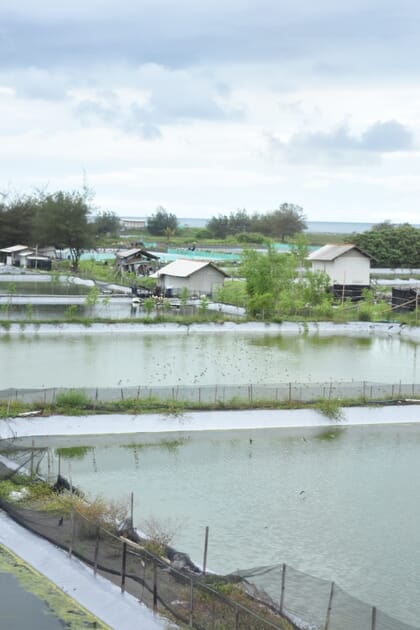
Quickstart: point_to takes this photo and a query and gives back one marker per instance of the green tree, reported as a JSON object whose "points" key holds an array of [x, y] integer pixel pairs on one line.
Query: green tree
{"points": [[391, 245], [62, 219], [106, 224], [267, 275], [228, 225], [218, 226], [160, 221], [16, 218], [285, 222]]}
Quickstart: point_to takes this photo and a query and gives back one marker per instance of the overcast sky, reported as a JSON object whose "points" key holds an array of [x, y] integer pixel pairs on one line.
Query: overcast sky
{"points": [[206, 106]]}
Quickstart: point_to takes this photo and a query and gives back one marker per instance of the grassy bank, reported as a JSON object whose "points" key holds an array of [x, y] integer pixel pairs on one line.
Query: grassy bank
{"points": [[75, 403]]}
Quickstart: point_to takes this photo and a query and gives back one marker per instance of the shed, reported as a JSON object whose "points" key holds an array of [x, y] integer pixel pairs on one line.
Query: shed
{"points": [[138, 261], [198, 276], [345, 264], [12, 255]]}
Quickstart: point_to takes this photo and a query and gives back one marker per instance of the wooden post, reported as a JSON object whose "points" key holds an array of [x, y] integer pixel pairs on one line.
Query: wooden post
{"points": [[49, 464], [327, 619], [154, 587], [191, 601], [373, 626], [237, 618], [72, 530], [123, 566], [131, 510], [206, 543], [283, 584], [32, 458], [95, 558]]}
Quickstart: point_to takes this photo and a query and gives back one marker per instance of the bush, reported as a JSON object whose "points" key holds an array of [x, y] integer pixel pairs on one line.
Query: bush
{"points": [[72, 399], [159, 534], [251, 237]]}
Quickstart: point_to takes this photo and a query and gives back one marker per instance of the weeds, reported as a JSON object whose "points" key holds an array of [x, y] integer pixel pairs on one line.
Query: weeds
{"points": [[330, 408], [159, 534]]}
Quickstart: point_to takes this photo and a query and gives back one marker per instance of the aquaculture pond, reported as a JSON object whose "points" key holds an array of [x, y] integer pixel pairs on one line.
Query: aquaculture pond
{"points": [[340, 503], [155, 356]]}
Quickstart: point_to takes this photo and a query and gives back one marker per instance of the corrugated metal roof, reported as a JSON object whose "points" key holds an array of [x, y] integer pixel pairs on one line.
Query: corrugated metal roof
{"points": [[331, 252], [183, 268], [13, 249], [127, 253]]}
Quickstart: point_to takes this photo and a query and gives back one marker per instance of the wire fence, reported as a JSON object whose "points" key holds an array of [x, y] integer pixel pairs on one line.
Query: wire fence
{"points": [[211, 394], [316, 604], [149, 578], [262, 598]]}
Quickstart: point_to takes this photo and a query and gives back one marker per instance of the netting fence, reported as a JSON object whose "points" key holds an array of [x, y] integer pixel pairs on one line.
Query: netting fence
{"points": [[316, 604], [260, 598], [209, 394], [152, 580]]}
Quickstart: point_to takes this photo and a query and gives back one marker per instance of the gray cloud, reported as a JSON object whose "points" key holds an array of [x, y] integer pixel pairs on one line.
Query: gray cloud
{"points": [[340, 145], [331, 37], [172, 97]]}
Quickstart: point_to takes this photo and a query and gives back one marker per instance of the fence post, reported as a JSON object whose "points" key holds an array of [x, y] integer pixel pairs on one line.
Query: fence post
{"points": [[72, 530], [327, 619], [283, 584], [32, 458], [373, 626], [290, 392], [191, 602], [236, 618], [95, 558], [123, 566], [206, 543], [154, 587]]}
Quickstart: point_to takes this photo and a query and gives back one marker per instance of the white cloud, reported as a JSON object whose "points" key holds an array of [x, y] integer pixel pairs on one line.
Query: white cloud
{"points": [[173, 103]]}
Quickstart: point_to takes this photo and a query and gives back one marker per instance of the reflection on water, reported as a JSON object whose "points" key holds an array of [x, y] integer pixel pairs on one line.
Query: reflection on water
{"points": [[12, 289], [342, 504]]}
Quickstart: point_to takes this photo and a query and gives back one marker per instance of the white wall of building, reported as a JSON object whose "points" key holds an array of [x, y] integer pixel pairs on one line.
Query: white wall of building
{"points": [[350, 268]]}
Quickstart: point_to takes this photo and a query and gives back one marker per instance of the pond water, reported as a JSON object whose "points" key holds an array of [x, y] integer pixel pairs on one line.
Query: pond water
{"points": [[41, 287], [55, 309], [196, 356], [340, 503]]}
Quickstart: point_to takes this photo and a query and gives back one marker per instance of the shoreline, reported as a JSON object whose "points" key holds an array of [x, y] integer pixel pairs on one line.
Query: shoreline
{"points": [[356, 329], [114, 424]]}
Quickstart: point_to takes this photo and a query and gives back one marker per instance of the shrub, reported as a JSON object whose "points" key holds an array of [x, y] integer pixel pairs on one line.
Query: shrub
{"points": [[330, 408], [72, 398], [159, 534]]}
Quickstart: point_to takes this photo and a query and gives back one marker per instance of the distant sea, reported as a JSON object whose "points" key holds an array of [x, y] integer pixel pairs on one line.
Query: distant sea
{"points": [[327, 227], [330, 227]]}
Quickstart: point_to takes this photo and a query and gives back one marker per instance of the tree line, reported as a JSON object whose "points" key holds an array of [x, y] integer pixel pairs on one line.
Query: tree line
{"points": [[61, 219], [393, 246], [282, 223]]}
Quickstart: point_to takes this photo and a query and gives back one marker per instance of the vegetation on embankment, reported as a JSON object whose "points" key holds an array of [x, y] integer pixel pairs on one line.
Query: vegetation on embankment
{"points": [[76, 403]]}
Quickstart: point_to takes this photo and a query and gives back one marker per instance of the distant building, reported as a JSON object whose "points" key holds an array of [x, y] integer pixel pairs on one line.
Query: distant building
{"points": [[24, 257], [347, 266], [199, 277], [133, 224]]}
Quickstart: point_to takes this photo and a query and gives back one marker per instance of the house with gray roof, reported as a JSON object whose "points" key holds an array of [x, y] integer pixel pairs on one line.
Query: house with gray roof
{"points": [[347, 266], [197, 276]]}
